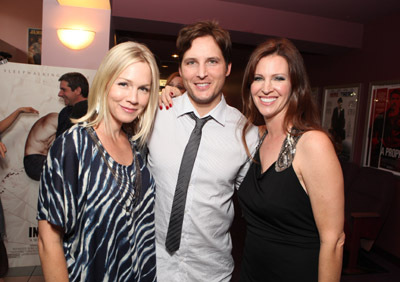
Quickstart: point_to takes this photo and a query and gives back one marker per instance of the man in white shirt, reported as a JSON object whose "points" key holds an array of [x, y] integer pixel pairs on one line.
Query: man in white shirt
{"points": [[204, 252]]}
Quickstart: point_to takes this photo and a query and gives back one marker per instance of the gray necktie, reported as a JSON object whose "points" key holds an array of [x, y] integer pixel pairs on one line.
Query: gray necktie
{"points": [[173, 239]]}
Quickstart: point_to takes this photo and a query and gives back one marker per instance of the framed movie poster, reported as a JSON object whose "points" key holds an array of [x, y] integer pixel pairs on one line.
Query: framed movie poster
{"points": [[382, 149], [339, 116], [35, 46]]}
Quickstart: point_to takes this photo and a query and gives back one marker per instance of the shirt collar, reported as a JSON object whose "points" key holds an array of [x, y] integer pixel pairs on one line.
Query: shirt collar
{"points": [[218, 113]]}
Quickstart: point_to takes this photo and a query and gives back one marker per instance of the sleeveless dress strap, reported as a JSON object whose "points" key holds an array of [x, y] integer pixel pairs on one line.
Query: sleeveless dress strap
{"points": [[288, 150]]}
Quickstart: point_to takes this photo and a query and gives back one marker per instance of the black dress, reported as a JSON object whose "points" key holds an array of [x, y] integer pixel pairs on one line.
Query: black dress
{"points": [[282, 241]]}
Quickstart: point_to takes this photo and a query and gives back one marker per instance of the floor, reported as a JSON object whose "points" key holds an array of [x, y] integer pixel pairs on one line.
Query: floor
{"points": [[389, 263], [392, 274], [25, 274], [34, 273]]}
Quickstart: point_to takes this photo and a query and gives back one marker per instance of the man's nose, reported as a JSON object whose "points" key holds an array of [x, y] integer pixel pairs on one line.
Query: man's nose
{"points": [[202, 71]]}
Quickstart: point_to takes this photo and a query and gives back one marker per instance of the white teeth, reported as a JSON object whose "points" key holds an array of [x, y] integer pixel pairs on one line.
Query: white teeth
{"points": [[267, 100], [202, 84]]}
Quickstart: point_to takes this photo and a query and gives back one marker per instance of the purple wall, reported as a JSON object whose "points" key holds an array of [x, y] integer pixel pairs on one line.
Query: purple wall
{"points": [[378, 60]]}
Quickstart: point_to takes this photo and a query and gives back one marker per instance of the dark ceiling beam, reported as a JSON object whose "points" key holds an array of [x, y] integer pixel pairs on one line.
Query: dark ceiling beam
{"points": [[248, 24]]}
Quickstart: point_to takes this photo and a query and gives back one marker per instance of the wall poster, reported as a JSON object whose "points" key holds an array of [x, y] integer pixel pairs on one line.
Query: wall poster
{"points": [[382, 144], [339, 117], [35, 46], [36, 86]]}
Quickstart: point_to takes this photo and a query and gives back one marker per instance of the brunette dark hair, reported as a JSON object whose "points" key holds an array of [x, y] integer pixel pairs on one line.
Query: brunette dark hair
{"points": [[75, 80], [204, 28], [301, 111]]}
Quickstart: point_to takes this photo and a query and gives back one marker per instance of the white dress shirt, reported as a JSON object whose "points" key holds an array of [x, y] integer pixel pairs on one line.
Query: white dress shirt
{"points": [[221, 163]]}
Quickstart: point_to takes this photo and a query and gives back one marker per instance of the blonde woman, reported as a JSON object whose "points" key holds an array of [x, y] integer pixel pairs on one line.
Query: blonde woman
{"points": [[96, 198]]}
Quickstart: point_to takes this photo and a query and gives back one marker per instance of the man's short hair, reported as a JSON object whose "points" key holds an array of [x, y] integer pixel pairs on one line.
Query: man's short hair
{"points": [[75, 80], [204, 28]]}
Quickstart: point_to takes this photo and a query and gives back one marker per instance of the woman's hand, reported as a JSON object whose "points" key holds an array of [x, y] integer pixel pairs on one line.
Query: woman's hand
{"points": [[166, 95], [28, 110], [8, 121]]}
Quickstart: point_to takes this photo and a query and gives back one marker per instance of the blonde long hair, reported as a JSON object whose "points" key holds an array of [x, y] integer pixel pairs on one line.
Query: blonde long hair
{"points": [[114, 63]]}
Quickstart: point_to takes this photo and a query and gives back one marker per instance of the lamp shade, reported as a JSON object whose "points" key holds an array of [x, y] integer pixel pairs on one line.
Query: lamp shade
{"points": [[75, 39]]}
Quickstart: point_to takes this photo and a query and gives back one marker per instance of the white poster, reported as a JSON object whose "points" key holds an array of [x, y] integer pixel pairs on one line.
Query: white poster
{"points": [[35, 86]]}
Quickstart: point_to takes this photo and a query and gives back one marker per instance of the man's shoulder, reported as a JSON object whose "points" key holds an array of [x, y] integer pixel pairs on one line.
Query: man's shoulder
{"points": [[235, 121], [63, 120], [233, 111], [171, 112], [79, 109], [81, 104], [66, 110], [234, 116]]}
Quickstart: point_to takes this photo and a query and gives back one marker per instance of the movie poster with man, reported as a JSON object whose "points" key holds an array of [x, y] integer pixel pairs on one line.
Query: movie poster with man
{"points": [[383, 138], [35, 86], [339, 117]]}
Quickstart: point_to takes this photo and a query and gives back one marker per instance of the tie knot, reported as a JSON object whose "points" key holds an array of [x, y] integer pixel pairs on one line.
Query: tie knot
{"points": [[200, 122]]}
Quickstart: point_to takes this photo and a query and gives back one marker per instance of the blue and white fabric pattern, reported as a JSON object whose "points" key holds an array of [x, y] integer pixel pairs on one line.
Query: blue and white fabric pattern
{"points": [[108, 234]]}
